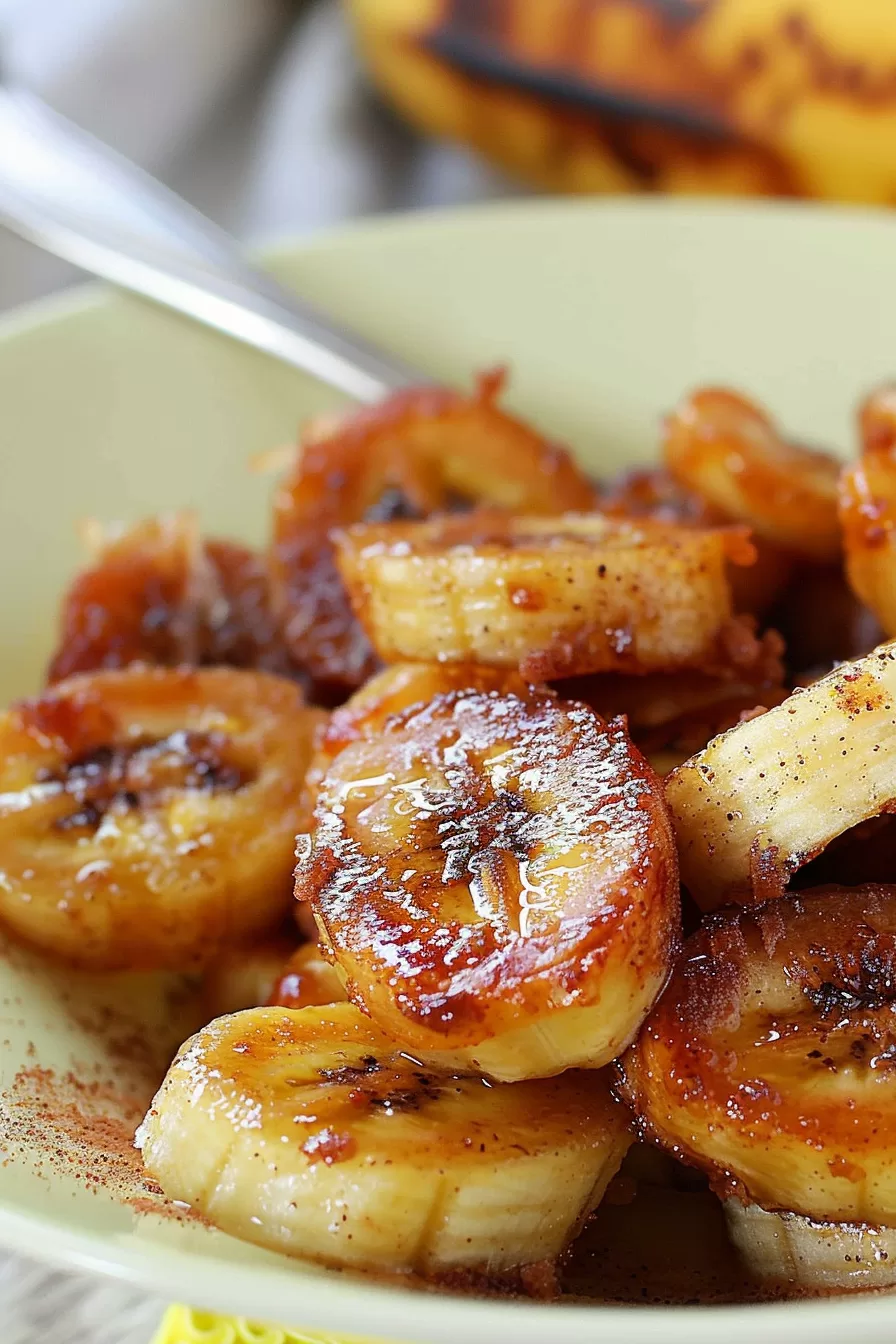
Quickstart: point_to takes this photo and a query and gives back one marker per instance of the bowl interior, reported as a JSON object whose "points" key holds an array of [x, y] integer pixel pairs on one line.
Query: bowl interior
{"points": [[114, 410]]}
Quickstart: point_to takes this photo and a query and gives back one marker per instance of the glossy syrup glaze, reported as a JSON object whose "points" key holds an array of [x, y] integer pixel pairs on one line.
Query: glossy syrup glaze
{"points": [[491, 855], [770, 1060], [159, 594], [148, 815]]}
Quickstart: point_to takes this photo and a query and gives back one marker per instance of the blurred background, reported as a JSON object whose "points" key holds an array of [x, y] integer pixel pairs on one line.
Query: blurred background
{"points": [[256, 111], [284, 116]]}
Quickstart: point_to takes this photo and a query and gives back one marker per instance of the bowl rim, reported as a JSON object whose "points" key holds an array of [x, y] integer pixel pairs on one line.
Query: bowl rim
{"points": [[357, 1303]]}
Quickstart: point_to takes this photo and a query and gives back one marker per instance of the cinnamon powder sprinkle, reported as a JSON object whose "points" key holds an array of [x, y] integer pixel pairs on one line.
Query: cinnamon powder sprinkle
{"points": [[79, 1127]]}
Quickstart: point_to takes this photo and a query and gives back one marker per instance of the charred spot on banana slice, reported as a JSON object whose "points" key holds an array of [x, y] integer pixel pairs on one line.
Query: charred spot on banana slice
{"points": [[158, 593], [312, 1133], [148, 815], [729, 451], [770, 1062], [766, 797], [496, 880], [552, 597], [427, 450]]}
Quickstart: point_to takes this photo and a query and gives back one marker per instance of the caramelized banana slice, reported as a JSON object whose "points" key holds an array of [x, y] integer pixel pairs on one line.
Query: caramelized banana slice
{"points": [[767, 796], [729, 452], [768, 1062], [868, 510], [670, 715], [554, 597], [656, 494], [423, 451], [495, 878], [148, 816], [158, 593], [308, 980], [397, 688], [312, 1133]]}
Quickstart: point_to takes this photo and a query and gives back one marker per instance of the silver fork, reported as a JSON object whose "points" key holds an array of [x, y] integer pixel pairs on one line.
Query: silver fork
{"points": [[73, 196]]}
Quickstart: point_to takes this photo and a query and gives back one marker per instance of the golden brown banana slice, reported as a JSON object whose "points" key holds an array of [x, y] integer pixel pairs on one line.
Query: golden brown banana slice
{"points": [[767, 796], [656, 494], [395, 689], [158, 593], [422, 451], [148, 816], [495, 877], [308, 980], [311, 1132], [729, 452], [768, 1062], [868, 509], [553, 597]]}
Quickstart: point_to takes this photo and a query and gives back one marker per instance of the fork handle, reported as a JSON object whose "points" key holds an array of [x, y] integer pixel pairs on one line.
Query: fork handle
{"points": [[73, 196]]}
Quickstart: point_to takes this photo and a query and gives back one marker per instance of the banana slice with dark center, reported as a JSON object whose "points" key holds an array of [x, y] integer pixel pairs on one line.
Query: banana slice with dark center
{"points": [[148, 816], [310, 1132], [496, 880]]}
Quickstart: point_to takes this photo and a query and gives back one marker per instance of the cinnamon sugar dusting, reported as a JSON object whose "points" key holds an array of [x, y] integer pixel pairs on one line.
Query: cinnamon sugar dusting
{"points": [[82, 1127]]}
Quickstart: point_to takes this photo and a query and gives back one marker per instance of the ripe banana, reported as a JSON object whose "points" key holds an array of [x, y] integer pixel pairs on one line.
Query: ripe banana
{"points": [[768, 1063], [158, 593], [553, 597], [767, 796], [148, 815], [419, 452], [495, 878], [729, 452], [790, 97], [311, 1132]]}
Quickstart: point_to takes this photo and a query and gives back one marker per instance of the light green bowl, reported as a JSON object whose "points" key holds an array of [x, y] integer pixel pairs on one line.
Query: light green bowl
{"points": [[606, 312]]}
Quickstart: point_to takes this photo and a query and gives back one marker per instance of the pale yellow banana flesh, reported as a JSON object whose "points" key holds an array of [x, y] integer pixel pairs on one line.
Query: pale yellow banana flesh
{"points": [[311, 1133], [554, 597], [763, 798], [791, 1251]]}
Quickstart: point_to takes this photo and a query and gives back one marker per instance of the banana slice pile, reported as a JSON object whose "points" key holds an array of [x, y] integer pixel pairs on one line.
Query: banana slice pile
{"points": [[433, 1060]]}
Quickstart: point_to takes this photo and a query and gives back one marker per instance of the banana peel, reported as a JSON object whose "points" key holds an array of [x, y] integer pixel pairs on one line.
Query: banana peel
{"points": [[772, 97]]}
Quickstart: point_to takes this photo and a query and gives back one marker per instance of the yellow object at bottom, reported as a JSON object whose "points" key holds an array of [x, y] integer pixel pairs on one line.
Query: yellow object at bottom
{"points": [[183, 1325]]}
